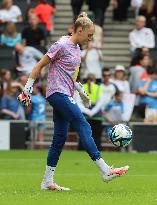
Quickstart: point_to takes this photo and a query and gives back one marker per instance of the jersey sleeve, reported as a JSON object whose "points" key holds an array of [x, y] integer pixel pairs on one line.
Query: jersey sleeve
{"points": [[54, 52]]}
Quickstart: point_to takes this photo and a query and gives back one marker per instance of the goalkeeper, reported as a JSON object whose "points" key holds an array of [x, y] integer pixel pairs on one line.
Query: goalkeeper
{"points": [[64, 57]]}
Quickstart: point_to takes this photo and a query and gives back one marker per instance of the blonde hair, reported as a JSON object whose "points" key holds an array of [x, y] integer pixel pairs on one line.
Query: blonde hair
{"points": [[141, 18], [82, 21]]}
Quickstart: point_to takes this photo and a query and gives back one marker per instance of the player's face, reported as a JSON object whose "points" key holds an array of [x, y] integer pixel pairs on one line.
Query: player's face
{"points": [[85, 35]]}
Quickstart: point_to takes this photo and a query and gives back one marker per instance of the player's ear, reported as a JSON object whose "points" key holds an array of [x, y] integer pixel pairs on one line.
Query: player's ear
{"points": [[79, 30]]}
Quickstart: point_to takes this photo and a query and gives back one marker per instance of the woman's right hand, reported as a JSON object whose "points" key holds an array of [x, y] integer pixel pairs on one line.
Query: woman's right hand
{"points": [[24, 99]]}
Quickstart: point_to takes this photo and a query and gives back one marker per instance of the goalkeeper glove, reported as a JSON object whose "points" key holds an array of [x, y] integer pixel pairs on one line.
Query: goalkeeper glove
{"points": [[84, 96], [25, 96]]}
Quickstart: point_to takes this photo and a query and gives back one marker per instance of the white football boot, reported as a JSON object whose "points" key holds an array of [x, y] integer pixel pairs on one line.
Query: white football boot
{"points": [[115, 172], [50, 185]]}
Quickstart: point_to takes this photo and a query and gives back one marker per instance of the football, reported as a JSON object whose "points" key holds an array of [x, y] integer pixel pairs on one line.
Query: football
{"points": [[120, 135]]}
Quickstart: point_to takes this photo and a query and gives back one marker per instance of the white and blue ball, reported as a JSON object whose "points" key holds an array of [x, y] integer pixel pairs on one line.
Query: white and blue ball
{"points": [[120, 135]]}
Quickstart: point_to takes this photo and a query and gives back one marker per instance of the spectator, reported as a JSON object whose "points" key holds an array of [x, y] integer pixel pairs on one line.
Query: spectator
{"points": [[92, 89], [5, 76], [119, 79], [10, 36], [114, 109], [98, 36], [109, 90], [10, 12], [136, 4], [99, 7], [147, 9], [33, 35], [113, 112], [27, 57], [37, 112], [76, 7], [92, 58], [138, 71], [10, 106], [141, 36], [154, 18], [120, 9], [143, 52], [148, 95], [44, 12]]}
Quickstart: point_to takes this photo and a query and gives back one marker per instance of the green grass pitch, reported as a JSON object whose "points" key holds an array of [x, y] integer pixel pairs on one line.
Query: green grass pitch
{"points": [[21, 173]]}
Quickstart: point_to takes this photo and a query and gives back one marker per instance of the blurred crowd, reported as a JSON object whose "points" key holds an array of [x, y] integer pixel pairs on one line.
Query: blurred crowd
{"points": [[118, 94]]}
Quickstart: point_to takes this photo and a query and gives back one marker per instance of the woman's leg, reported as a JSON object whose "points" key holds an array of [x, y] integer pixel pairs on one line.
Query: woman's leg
{"points": [[59, 138]]}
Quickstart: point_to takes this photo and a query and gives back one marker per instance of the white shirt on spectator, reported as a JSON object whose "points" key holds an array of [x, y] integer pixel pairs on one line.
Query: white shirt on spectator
{"points": [[142, 38], [136, 3], [122, 85], [105, 97], [92, 61], [97, 37], [29, 58], [10, 15]]}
